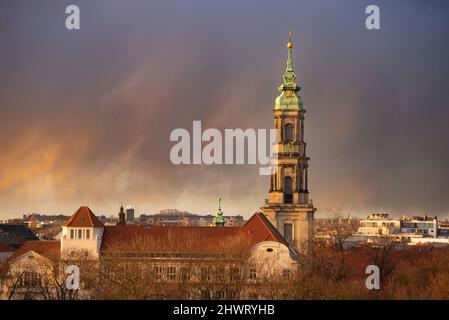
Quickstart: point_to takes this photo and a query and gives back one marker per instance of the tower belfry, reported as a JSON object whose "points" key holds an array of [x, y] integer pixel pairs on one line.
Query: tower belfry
{"points": [[288, 206]]}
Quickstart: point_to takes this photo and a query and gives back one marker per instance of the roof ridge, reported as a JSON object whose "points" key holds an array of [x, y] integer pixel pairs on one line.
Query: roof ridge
{"points": [[89, 214], [271, 229], [72, 217], [27, 246], [90, 221]]}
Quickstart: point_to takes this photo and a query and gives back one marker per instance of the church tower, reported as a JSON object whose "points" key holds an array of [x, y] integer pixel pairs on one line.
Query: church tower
{"points": [[288, 206], [121, 217]]}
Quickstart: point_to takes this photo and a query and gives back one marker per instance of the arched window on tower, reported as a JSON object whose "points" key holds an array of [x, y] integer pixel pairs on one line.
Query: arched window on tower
{"points": [[289, 130], [288, 190]]}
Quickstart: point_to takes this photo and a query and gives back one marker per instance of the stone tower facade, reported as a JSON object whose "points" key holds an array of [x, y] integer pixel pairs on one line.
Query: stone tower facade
{"points": [[288, 206], [121, 217]]}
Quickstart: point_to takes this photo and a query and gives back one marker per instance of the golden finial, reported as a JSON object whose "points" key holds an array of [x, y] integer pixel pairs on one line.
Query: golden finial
{"points": [[290, 43]]}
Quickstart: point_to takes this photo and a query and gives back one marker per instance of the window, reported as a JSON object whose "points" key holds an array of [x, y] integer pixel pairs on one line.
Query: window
{"points": [[171, 273], [158, 272], [87, 234], [288, 232], [29, 279], [288, 190], [80, 234], [185, 274], [289, 132], [252, 273], [107, 271], [72, 234]]}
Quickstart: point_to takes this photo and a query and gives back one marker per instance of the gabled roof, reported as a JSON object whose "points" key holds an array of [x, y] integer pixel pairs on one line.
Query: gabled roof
{"points": [[48, 248], [192, 238], [170, 238], [84, 218], [261, 229]]}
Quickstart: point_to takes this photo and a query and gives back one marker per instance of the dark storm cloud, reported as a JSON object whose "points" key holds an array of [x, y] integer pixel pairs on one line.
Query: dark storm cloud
{"points": [[86, 115]]}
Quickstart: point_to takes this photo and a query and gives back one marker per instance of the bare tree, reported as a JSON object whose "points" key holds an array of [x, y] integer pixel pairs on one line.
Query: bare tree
{"points": [[172, 267]]}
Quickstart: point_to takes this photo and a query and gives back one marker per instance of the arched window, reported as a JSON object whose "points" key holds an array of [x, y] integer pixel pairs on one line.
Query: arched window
{"points": [[288, 190], [289, 129]]}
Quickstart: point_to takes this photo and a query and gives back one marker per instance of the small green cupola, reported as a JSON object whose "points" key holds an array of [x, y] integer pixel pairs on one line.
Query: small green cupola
{"points": [[219, 219], [289, 99]]}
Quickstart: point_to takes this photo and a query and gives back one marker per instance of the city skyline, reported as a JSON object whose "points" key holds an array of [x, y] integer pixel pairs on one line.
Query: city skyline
{"points": [[93, 127]]}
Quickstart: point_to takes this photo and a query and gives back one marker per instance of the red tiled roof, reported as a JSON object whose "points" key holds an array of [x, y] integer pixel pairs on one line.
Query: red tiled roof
{"points": [[261, 229], [255, 230], [84, 218], [46, 248], [172, 238], [156, 238], [50, 249]]}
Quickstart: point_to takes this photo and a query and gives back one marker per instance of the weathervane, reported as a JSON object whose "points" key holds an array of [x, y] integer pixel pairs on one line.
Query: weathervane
{"points": [[290, 43]]}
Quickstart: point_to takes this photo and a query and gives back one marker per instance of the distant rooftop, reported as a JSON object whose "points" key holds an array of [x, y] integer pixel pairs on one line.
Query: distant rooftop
{"points": [[15, 234]]}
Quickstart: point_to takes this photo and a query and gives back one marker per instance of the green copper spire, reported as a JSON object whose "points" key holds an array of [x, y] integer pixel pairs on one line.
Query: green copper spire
{"points": [[289, 74], [288, 99], [219, 219]]}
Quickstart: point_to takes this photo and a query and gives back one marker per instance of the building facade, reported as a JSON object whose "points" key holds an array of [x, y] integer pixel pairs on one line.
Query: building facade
{"points": [[288, 206], [379, 224], [205, 262], [130, 214], [424, 226]]}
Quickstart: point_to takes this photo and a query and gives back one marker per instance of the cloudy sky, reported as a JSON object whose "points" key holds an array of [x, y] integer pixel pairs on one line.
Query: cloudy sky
{"points": [[85, 116]]}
